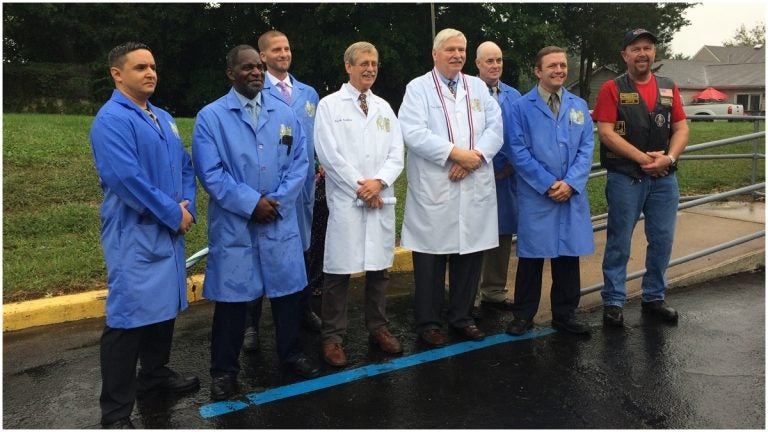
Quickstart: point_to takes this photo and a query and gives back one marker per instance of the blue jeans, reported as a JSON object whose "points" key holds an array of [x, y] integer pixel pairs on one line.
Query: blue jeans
{"points": [[657, 198]]}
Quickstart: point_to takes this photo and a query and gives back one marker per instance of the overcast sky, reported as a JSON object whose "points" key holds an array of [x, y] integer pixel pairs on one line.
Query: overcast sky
{"points": [[712, 22]]}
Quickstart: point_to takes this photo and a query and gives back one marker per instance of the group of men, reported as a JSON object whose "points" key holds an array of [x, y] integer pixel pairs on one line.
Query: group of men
{"points": [[484, 163]]}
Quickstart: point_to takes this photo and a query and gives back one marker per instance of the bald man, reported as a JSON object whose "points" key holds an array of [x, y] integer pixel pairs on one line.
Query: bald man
{"points": [[492, 291]]}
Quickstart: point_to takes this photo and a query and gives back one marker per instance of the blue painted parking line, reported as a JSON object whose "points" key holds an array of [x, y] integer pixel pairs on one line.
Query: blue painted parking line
{"points": [[220, 408]]}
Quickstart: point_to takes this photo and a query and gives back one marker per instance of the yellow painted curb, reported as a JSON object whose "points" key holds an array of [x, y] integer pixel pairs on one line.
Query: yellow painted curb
{"points": [[33, 313]]}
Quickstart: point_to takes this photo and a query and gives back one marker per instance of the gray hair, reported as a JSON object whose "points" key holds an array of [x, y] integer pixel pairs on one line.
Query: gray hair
{"points": [[350, 55], [446, 34]]}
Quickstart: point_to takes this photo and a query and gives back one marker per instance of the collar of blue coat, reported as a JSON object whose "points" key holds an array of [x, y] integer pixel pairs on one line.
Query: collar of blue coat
{"points": [[244, 100], [122, 99], [274, 80], [544, 95]]}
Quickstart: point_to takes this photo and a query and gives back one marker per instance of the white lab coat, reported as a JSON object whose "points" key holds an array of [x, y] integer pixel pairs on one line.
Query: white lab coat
{"points": [[442, 216], [353, 147]]}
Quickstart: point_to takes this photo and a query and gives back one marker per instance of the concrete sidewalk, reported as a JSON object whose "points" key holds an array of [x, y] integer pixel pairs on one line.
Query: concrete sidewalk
{"points": [[697, 228]]}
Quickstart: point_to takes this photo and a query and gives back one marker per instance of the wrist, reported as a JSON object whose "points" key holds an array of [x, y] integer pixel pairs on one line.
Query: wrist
{"points": [[672, 160]]}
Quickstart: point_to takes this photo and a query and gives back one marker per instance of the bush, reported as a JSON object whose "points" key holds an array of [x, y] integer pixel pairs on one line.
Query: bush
{"points": [[52, 88]]}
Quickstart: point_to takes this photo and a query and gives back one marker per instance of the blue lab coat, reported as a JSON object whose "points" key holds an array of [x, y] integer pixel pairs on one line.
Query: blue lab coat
{"points": [[238, 163], [145, 173], [506, 190], [543, 150]]}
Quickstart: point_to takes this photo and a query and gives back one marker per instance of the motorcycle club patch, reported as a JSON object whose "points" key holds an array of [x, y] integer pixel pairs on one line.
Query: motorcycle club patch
{"points": [[620, 127], [629, 98]]}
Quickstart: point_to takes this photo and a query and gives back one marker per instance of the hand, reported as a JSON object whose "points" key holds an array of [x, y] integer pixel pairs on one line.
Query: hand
{"points": [[659, 165], [186, 218], [375, 203], [505, 172], [457, 173], [265, 211], [470, 160], [369, 191], [560, 191]]}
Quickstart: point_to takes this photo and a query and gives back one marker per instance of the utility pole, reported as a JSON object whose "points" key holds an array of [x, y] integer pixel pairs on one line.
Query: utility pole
{"points": [[432, 10]]}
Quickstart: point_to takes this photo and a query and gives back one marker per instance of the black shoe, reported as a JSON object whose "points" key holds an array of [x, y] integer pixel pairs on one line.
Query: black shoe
{"points": [[613, 316], [518, 326], [504, 305], [123, 423], [571, 325], [251, 339], [304, 367], [174, 383], [223, 387], [312, 321], [659, 309]]}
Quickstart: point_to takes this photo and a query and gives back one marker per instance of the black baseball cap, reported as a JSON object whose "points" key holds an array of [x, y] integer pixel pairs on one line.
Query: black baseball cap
{"points": [[635, 34]]}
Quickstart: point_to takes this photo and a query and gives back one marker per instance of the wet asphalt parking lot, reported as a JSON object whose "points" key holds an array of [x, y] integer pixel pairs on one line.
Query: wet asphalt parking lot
{"points": [[706, 372]]}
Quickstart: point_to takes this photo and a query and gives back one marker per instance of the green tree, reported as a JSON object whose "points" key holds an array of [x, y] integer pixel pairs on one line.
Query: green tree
{"points": [[747, 37], [595, 31]]}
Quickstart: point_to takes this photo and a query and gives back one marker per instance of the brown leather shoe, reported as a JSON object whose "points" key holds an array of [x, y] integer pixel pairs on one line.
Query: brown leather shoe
{"points": [[334, 354], [433, 337], [471, 332], [384, 339]]}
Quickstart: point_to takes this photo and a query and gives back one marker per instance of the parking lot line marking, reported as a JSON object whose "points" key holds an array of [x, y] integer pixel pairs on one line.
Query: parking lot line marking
{"points": [[220, 408]]}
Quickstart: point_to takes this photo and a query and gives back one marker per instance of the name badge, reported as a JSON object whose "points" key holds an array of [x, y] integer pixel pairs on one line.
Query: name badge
{"points": [[629, 98], [383, 124]]}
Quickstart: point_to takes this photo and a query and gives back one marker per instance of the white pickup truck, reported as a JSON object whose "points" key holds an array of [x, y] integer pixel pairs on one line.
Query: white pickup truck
{"points": [[714, 109]]}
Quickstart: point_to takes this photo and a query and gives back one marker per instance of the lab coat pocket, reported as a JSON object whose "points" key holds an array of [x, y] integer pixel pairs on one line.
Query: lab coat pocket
{"points": [[434, 190], [151, 243]]}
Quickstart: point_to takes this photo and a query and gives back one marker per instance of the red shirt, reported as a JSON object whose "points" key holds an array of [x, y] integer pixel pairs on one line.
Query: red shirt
{"points": [[607, 111]]}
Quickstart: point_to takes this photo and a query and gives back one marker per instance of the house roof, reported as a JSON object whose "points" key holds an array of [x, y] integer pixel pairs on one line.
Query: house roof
{"points": [[730, 55], [689, 74]]}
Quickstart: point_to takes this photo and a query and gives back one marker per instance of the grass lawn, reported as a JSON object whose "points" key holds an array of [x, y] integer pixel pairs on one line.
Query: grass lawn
{"points": [[51, 199]]}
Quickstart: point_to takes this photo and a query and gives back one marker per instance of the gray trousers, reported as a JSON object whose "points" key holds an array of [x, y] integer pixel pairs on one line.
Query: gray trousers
{"points": [[493, 282], [334, 304]]}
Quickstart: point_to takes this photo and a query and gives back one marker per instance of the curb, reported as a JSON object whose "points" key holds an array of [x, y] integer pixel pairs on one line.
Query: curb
{"points": [[74, 307]]}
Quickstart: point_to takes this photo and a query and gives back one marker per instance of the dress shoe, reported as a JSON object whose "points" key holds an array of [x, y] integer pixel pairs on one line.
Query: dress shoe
{"points": [[384, 339], [433, 337], [173, 383], [471, 332], [304, 367], [251, 339], [659, 309], [312, 321], [613, 316], [571, 325], [123, 423], [505, 305], [519, 326], [334, 355], [223, 387]]}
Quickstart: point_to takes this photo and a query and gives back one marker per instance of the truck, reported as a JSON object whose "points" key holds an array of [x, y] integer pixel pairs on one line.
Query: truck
{"points": [[714, 109]]}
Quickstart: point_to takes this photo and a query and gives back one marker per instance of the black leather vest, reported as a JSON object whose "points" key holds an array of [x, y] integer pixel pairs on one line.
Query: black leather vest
{"points": [[646, 131]]}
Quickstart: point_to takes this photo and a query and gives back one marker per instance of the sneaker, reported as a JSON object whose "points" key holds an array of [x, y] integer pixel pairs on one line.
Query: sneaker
{"points": [[613, 316]]}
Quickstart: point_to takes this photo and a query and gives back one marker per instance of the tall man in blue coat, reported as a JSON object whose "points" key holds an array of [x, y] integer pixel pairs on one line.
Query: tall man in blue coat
{"points": [[250, 156], [492, 291], [149, 204], [275, 53], [551, 143]]}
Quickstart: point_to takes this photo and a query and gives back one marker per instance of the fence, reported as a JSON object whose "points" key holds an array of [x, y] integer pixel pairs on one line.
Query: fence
{"points": [[756, 189]]}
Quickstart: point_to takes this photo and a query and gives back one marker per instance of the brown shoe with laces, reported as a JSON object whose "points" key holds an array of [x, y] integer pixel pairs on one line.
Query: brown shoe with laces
{"points": [[433, 337], [334, 354], [384, 339]]}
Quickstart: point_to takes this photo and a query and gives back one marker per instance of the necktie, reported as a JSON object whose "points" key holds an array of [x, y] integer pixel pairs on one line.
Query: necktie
{"points": [[253, 111], [153, 117], [284, 90], [494, 91], [452, 87], [363, 103], [554, 103]]}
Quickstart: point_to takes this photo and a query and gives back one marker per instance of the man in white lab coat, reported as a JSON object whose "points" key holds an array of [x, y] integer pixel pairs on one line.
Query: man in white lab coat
{"points": [[452, 127], [358, 141]]}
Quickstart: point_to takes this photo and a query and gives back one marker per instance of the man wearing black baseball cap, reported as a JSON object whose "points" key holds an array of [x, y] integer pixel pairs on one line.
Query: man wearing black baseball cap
{"points": [[642, 130], [635, 34]]}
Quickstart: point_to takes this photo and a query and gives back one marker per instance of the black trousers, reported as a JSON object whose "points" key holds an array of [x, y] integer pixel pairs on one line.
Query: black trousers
{"points": [[429, 276], [121, 349], [229, 322], [566, 283]]}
